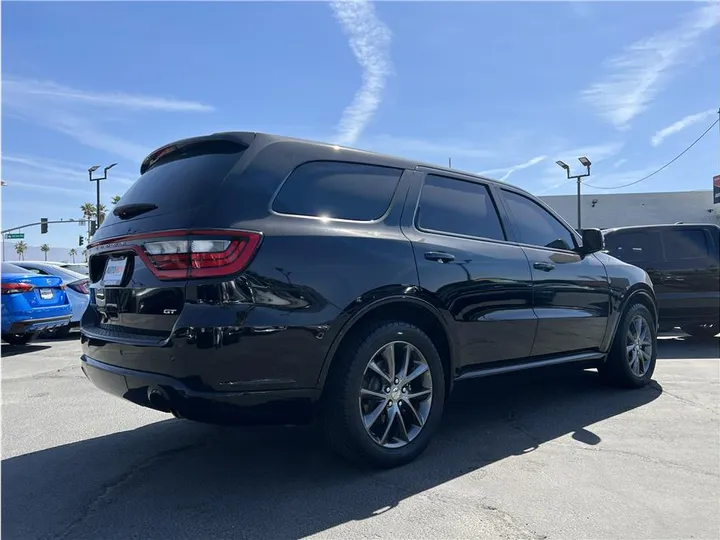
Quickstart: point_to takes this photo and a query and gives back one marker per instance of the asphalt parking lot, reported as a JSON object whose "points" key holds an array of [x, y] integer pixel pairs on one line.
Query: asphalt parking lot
{"points": [[550, 454]]}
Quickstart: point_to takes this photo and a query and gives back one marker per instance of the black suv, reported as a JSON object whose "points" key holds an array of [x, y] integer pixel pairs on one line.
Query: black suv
{"points": [[246, 277], [683, 261]]}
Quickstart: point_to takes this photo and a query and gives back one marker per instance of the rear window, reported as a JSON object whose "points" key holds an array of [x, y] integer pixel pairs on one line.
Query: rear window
{"points": [[629, 247], [8, 268], [186, 178], [338, 190], [685, 244]]}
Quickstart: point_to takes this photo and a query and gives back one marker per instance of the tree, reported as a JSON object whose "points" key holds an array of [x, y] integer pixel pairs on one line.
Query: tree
{"points": [[88, 210], [72, 253], [20, 249], [84, 252], [103, 212], [115, 199], [45, 249]]}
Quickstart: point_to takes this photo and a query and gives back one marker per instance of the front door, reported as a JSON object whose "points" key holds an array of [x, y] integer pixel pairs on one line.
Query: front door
{"points": [[571, 294], [466, 264]]}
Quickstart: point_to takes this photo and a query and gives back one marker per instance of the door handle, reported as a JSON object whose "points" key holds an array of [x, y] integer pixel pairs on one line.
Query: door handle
{"points": [[439, 256], [544, 266]]}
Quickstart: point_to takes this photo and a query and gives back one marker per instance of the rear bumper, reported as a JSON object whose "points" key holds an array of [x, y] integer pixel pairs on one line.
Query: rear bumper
{"points": [[37, 325], [167, 394]]}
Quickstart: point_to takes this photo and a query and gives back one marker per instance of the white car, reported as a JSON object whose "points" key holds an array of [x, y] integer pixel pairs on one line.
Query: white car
{"points": [[76, 286]]}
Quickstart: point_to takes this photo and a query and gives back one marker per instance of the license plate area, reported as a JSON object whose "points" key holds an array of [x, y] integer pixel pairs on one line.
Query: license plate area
{"points": [[46, 294], [114, 271]]}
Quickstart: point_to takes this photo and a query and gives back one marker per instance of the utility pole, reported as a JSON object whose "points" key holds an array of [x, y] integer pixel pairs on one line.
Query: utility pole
{"points": [[585, 162], [449, 163]]}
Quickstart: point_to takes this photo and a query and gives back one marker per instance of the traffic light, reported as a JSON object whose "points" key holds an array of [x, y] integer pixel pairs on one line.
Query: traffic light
{"points": [[43, 225], [81, 240]]}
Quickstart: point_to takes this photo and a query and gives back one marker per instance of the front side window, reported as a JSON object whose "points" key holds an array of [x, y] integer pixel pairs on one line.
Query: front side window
{"points": [[535, 225], [338, 190], [458, 207]]}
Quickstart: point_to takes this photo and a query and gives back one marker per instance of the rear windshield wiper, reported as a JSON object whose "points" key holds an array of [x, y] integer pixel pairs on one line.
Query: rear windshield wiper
{"points": [[127, 211]]}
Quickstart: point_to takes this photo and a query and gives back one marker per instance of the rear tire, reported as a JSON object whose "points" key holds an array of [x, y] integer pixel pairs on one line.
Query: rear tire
{"points": [[17, 339], [633, 355], [704, 331], [372, 418]]}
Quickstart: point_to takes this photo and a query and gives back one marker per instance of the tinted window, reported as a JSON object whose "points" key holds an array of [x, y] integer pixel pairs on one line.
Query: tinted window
{"points": [[535, 225], [8, 268], [185, 179], [629, 247], [338, 190], [685, 244], [454, 206]]}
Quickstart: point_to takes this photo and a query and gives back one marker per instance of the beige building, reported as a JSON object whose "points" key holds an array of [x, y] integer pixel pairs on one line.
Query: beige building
{"points": [[626, 209]]}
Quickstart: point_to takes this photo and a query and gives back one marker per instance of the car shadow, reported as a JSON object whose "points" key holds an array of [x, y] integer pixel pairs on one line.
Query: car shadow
{"points": [[13, 350], [683, 347], [177, 479]]}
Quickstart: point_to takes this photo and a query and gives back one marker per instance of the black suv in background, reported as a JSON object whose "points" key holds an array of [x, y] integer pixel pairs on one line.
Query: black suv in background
{"points": [[247, 277], [683, 261]]}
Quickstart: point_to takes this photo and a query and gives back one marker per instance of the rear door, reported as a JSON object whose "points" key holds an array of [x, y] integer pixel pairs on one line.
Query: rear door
{"points": [[465, 262], [571, 294], [687, 283]]}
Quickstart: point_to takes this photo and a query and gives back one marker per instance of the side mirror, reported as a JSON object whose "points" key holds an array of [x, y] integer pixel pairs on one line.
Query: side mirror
{"points": [[593, 241]]}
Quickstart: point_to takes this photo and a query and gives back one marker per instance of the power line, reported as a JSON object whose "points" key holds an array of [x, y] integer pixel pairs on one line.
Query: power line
{"points": [[673, 160]]}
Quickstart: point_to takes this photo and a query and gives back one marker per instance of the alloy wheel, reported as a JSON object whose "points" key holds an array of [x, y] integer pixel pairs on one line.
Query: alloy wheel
{"points": [[396, 394], [638, 346]]}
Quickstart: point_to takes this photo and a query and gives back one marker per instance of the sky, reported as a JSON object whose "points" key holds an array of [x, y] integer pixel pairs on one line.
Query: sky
{"points": [[502, 88]]}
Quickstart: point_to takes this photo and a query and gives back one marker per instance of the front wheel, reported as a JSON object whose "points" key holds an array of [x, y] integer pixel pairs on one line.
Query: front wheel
{"points": [[17, 339], [632, 358], [385, 396]]}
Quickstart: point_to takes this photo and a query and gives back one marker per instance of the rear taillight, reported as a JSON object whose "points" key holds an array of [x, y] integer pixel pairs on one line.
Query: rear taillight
{"points": [[16, 288], [80, 287], [200, 257]]}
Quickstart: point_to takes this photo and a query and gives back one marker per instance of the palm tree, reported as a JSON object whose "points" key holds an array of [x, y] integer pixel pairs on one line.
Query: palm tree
{"points": [[45, 249], [84, 252], [88, 210], [103, 212], [20, 248], [72, 253], [115, 199]]}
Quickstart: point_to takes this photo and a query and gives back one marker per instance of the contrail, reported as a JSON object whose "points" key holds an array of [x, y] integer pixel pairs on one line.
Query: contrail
{"points": [[369, 40]]}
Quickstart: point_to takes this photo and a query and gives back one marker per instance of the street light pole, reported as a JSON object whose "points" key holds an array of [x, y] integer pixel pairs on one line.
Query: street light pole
{"points": [[585, 162], [91, 170]]}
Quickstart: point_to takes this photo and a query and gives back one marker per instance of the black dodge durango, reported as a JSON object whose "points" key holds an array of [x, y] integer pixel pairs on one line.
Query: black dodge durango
{"points": [[247, 277]]}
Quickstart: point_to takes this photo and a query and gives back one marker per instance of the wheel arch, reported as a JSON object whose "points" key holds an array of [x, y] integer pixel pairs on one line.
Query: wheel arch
{"points": [[640, 294], [397, 308]]}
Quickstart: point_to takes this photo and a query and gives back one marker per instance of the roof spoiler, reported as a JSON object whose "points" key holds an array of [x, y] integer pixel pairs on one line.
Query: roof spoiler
{"points": [[245, 138]]}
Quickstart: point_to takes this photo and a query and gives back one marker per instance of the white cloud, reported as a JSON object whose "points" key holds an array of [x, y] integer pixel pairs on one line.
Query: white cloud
{"points": [[56, 92], [83, 115], [681, 124], [637, 75], [509, 170], [55, 172], [619, 162], [369, 40]]}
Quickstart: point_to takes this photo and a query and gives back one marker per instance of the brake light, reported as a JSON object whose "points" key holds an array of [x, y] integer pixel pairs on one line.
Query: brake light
{"points": [[197, 257], [80, 286], [16, 288]]}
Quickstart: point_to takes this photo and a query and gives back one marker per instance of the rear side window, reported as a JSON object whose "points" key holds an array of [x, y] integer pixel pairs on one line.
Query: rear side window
{"points": [[685, 244], [185, 179], [338, 190], [629, 247], [453, 206]]}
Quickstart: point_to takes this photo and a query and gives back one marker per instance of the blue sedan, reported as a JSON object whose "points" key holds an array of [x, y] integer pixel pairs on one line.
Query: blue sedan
{"points": [[31, 303]]}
